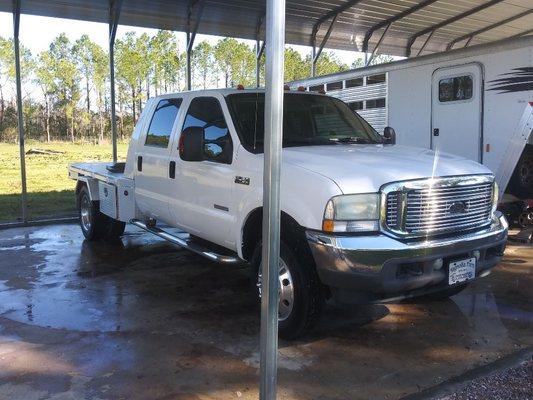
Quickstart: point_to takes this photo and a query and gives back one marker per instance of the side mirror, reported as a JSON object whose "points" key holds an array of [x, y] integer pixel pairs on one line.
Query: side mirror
{"points": [[389, 135], [191, 144]]}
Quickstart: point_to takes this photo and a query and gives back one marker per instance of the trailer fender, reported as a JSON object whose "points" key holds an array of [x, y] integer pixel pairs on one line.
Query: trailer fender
{"points": [[92, 184]]}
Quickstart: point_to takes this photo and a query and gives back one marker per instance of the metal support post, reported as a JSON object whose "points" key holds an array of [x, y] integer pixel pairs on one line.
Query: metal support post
{"points": [[24, 193], [259, 48], [369, 60], [316, 53], [425, 43], [258, 55], [275, 36], [191, 35], [114, 14], [313, 60]]}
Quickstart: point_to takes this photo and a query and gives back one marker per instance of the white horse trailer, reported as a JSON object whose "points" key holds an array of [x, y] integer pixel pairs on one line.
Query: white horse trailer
{"points": [[474, 102]]}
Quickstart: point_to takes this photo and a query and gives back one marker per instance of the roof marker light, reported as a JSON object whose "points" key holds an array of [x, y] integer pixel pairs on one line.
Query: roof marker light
{"points": [[286, 87], [301, 88], [240, 87]]}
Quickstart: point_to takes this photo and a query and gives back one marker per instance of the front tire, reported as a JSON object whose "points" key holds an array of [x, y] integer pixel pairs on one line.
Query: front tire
{"points": [[300, 296]]}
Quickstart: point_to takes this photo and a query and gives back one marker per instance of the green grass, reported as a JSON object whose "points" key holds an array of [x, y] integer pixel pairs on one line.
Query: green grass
{"points": [[50, 191]]}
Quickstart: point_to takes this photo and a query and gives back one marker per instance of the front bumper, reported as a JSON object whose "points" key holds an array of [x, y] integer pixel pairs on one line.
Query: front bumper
{"points": [[378, 267]]}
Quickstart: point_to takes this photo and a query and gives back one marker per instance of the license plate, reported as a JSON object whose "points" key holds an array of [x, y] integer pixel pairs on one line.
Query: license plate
{"points": [[462, 270]]}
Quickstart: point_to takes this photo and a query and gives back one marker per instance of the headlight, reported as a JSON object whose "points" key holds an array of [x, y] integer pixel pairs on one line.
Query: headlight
{"points": [[495, 196], [352, 213]]}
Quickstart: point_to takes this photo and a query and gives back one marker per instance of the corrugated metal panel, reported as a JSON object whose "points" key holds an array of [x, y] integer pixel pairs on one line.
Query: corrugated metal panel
{"points": [[376, 117], [237, 18], [360, 93]]}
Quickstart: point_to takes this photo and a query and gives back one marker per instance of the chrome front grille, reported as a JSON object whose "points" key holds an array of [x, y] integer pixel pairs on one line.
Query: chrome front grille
{"points": [[428, 207]]}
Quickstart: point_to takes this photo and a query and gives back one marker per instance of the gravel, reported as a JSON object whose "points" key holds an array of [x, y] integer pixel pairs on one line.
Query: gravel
{"points": [[511, 384]]}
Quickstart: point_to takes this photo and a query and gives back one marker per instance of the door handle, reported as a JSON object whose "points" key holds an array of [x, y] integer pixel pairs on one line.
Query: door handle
{"points": [[435, 131], [139, 163], [172, 170]]}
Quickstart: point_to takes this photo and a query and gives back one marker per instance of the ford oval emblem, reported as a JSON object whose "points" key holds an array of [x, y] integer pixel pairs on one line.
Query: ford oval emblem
{"points": [[458, 207]]}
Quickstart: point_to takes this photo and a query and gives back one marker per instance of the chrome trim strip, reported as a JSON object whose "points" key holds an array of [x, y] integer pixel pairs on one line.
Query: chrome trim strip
{"points": [[195, 248]]}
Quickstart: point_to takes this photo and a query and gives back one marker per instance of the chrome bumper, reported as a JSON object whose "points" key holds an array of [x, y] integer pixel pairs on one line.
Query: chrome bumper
{"points": [[373, 263]]}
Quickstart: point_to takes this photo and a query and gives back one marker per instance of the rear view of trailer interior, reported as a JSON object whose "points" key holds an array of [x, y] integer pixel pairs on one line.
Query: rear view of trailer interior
{"points": [[474, 102]]}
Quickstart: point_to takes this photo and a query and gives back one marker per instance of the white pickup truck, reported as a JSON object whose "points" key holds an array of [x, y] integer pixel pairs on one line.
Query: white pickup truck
{"points": [[363, 219]]}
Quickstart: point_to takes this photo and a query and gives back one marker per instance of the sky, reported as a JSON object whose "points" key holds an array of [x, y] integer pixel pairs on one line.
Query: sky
{"points": [[36, 33]]}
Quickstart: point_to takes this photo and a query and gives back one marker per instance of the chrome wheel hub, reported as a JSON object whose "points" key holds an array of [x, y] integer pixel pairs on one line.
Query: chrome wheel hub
{"points": [[85, 213], [285, 290]]}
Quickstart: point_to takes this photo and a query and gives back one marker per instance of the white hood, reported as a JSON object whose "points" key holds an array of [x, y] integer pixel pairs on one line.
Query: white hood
{"points": [[359, 168]]}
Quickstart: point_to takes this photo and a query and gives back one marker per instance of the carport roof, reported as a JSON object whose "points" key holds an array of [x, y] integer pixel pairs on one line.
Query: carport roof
{"points": [[412, 20]]}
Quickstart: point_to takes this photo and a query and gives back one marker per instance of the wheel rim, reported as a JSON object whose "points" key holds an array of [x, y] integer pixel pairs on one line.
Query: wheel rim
{"points": [[85, 213], [285, 290]]}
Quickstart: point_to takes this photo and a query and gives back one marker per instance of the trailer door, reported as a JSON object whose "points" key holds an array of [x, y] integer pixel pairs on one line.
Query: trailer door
{"points": [[456, 110]]}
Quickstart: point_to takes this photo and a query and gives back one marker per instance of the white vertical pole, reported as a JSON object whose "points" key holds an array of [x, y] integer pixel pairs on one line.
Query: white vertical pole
{"points": [[113, 98], [275, 37], [114, 14], [16, 45]]}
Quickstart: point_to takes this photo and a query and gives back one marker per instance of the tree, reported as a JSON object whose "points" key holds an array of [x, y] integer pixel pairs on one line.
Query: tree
{"points": [[203, 63], [166, 61], [44, 77], [327, 63], [295, 67], [133, 65], [379, 59], [7, 70], [236, 61], [66, 77]]}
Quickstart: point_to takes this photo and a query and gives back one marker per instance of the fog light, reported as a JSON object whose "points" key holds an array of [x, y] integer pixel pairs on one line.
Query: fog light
{"points": [[476, 254], [438, 263]]}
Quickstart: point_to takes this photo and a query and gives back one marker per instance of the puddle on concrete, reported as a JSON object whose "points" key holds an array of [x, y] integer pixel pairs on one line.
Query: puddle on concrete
{"points": [[130, 307]]}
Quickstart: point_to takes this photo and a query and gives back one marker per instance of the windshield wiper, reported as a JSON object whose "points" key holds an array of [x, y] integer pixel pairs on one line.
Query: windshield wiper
{"points": [[309, 141], [353, 139]]}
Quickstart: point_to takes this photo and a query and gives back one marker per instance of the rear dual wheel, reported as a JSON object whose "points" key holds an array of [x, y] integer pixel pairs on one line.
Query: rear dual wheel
{"points": [[94, 224]]}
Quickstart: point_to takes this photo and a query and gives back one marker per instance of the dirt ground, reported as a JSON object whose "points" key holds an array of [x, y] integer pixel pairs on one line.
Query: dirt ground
{"points": [[143, 320]]}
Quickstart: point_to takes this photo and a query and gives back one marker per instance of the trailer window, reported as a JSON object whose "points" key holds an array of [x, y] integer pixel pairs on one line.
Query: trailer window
{"points": [[375, 103], [334, 86], [160, 128], [356, 105], [455, 89], [316, 88], [354, 82], [371, 80]]}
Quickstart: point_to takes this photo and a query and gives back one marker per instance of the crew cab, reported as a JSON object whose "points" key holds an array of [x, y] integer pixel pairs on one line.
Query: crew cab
{"points": [[363, 219]]}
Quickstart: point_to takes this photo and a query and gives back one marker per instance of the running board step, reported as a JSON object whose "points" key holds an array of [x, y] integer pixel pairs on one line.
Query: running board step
{"points": [[187, 244]]}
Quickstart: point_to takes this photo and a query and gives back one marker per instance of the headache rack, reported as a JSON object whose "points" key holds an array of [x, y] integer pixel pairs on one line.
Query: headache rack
{"points": [[435, 206]]}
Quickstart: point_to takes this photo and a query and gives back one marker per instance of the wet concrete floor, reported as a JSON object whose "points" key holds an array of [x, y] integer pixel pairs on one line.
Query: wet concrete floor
{"points": [[142, 320]]}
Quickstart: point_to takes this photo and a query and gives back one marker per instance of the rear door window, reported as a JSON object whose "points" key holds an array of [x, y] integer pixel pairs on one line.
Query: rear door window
{"points": [[160, 128]]}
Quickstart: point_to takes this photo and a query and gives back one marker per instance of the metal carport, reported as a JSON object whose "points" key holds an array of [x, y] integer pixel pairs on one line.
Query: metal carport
{"points": [[396, 27]]}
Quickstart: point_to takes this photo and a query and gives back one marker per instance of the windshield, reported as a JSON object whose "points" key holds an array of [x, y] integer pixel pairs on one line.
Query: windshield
{"points": [[308, 120]]}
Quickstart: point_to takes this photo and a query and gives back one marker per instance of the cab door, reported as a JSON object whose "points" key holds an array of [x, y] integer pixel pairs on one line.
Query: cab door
{"points": [[202, 201], [456, 110], [152, 161]]}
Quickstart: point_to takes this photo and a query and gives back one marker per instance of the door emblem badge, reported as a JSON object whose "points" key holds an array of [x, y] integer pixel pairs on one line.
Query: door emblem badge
{"points": [[242, 180]]}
